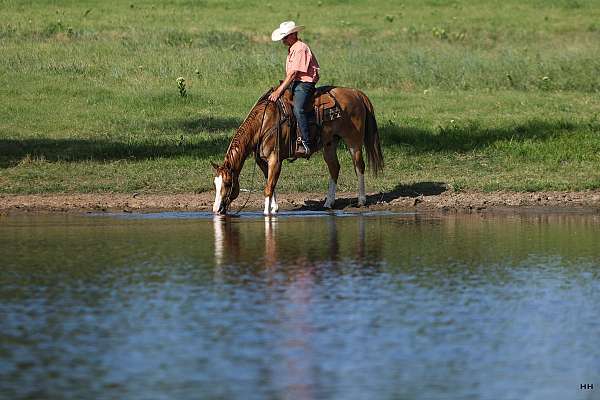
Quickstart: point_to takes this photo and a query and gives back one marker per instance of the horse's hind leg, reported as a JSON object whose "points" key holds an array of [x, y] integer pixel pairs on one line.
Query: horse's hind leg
{"points": [[330, 156], [359, 167]]}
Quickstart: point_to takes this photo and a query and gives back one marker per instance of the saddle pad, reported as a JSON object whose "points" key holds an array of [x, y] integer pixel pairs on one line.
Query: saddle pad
{"points": [[325, 100], [329, 114]]}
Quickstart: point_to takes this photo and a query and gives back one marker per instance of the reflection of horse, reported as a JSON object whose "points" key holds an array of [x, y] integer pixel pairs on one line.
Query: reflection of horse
{"points": [[227, 240], [265, 134], [229, 245], [270, 242]]}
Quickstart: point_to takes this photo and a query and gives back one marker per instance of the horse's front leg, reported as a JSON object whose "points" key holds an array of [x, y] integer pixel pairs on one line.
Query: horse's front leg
{"points": [[271, 206]]}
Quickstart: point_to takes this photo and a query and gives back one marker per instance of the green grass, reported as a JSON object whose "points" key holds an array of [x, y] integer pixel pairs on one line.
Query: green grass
{"points": [[480, 95]]}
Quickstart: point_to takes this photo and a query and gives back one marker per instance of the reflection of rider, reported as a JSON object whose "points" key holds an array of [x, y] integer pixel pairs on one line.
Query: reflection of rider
{"points": [[302, 72]]}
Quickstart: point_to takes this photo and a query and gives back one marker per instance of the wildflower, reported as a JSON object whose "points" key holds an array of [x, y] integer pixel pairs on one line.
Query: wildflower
{"points": [[181, 86]]}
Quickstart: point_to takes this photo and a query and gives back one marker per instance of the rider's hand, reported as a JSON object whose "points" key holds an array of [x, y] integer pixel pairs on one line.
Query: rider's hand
{"points": [[275, 95]]}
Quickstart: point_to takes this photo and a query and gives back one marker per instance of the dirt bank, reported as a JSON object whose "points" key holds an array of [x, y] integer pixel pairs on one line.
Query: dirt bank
{"points": [[445, 201]]}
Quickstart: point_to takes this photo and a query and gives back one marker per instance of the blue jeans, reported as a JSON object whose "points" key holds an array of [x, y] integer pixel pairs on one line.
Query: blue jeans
{"points": [[303, 93]]}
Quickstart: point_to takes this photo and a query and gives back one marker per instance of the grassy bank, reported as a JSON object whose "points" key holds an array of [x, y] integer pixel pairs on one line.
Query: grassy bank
{"points": [[470, 93]]}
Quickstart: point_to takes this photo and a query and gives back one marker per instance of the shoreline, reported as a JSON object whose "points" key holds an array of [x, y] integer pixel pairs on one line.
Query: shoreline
{"points": [[447, 201]]}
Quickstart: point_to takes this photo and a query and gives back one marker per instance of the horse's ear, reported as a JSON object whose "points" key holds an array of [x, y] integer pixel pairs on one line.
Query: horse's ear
{"points": [[215, 166]]}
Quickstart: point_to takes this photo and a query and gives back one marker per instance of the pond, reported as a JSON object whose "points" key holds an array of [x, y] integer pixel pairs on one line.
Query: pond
{"points": [[301, 306]]}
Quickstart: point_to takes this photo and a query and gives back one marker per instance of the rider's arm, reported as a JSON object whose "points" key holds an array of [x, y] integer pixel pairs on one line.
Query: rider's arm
{"points": [[289, 78]]}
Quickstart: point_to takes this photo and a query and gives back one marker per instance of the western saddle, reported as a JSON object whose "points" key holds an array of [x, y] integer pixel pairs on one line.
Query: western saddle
{"points": [[326, 109]]}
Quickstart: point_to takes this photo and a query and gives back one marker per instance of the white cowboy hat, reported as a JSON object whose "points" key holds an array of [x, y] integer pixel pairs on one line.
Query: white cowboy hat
{"points": [[285, 28]]}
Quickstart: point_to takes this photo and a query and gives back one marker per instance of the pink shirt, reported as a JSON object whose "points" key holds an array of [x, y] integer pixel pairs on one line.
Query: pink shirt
{"points": [[301, 59]]}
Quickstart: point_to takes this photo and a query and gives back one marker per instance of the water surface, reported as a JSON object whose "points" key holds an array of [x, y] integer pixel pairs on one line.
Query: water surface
{"points": [[309, 306]]}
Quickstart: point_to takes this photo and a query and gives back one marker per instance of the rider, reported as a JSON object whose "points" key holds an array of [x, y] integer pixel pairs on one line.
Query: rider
{"points": [[302, 72]]}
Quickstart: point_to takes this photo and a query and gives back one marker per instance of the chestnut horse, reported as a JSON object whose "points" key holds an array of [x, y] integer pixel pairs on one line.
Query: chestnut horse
{"points": [[263, 134]]}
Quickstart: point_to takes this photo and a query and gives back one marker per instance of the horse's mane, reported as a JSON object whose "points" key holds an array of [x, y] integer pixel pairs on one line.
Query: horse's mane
{"points": [[238, 146]]}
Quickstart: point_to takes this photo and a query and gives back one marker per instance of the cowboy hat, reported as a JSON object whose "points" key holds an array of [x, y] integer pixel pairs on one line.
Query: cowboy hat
{"points": [[285, 28]]}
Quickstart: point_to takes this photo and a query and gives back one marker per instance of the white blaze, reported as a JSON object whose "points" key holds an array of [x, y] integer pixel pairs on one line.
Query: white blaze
{"points": [[218, 199]]}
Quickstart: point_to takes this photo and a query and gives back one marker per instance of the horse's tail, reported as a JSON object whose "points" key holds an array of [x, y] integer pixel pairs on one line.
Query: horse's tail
{"points": [[372, 144]]}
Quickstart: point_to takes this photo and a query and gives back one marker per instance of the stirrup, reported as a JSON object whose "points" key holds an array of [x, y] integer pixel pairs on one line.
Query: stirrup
{"points": [[302, 149]]}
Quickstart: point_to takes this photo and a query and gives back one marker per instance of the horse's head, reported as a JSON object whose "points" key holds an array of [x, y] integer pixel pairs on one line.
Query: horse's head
{"points": [[227, 188]]}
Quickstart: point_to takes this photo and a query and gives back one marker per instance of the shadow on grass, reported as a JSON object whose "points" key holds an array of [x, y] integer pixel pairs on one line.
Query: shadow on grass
{"points": [[13, 152], [415, 190], [184, 141], [197, 125], [459, 138], [453, 138]]}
